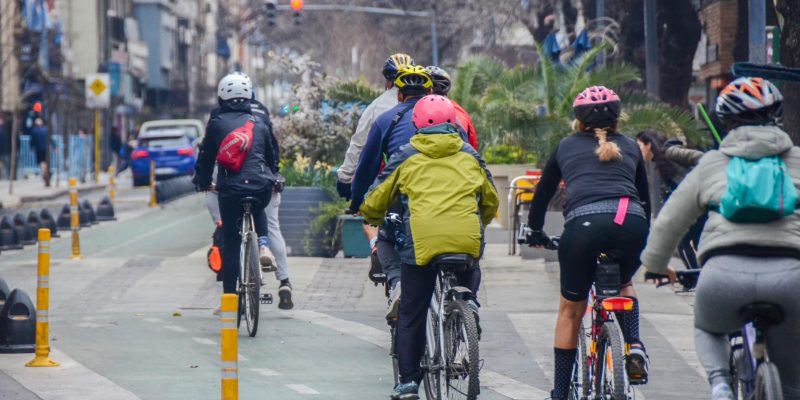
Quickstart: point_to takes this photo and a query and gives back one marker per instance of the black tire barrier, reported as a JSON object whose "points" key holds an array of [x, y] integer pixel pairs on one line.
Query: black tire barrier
{"points": [[105, 210], [64, 218], [18, 324], [173, 188], [84, 217], [9, 240], [34, 223], [4, 292], [47, 221], [23, 230], [87, 205]]}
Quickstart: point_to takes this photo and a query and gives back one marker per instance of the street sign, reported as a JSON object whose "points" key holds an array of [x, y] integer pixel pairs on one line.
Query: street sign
{"points": [[98, 91]]}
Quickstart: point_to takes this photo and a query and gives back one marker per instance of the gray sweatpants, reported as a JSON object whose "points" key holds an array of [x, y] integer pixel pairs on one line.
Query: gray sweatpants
{"points": [[728, 283], [276, 243]]}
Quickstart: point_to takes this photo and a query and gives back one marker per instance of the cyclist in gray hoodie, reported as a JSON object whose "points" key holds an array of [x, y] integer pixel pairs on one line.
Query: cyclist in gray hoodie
{"points": [[743, 262]]}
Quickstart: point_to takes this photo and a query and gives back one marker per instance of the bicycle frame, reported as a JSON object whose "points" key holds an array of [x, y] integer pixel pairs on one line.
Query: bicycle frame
{"points": [[599, 317], [248, 226]]}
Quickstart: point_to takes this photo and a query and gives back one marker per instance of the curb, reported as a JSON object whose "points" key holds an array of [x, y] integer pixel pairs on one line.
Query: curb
{"points": [[19, 200]]}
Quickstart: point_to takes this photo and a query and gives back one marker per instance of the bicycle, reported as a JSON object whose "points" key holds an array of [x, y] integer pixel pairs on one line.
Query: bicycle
{"points": [[249, 281], [599, 371], [451, 363], [754, 376]]}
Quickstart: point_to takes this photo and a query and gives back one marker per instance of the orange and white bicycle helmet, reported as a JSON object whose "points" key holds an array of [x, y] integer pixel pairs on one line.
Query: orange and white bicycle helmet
{"points": [[750, 101]]}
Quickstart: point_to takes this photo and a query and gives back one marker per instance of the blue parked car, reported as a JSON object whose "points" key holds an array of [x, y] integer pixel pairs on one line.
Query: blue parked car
{"points": [[173, 149]]}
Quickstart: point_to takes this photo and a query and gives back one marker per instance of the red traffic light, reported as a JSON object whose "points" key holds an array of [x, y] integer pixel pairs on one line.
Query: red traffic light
{"points": [[297, 5]]}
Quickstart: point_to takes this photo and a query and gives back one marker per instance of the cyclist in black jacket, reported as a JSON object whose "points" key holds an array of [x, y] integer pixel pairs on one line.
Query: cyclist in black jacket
{"points": [[255, 179]]}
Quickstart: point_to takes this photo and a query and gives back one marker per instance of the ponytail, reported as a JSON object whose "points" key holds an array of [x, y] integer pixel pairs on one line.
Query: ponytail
{"points": [[606, 151]]}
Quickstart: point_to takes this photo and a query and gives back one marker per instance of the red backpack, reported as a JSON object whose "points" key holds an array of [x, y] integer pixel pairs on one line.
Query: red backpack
{"points": [[234, 148]]}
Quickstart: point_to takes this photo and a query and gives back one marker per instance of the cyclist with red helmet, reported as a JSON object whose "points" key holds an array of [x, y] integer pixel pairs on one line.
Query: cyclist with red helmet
{"points": [[607, 208], [441, 86], [447, 197]]}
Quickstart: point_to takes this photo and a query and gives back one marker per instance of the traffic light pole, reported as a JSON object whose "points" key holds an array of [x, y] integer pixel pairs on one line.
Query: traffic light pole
{"points": [[382, 11]]}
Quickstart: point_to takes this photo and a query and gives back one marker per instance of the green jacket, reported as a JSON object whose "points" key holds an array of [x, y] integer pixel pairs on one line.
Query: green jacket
{"points": [[447, 194]]}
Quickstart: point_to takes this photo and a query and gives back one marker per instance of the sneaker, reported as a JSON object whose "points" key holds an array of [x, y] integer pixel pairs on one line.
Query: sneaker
{"points": [[267, 259], [394, 302], [376, 274], [722, 392], [638, 364], [406, 391], [285, 296]]}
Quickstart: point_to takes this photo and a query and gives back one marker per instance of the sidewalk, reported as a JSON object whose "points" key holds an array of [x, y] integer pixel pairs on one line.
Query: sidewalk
{"points": [[32, 189]]}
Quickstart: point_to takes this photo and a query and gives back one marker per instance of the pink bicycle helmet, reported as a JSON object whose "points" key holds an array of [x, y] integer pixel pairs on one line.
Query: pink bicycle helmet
{"points": [[433, 110], [597, 107]]}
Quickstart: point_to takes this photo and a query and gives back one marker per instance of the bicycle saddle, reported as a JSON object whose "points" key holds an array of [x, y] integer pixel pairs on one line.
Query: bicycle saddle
{"points": [[454, 262], [248, 200], [768, 313]]}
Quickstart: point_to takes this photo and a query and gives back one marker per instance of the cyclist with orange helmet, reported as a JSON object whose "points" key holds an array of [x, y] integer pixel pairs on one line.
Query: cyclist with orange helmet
{"points": [[441, 86], [750, 254], [607, 208]]}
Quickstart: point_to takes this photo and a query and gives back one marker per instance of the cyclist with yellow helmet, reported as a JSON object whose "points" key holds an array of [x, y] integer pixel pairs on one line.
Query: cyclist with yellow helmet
{"points": [[391, 130]]}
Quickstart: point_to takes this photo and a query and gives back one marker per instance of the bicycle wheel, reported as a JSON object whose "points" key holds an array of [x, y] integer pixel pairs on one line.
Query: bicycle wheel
{"points": [[431, 361], [462, 358], [610, 381], [768, 382], [580, 388], [252, 285]]}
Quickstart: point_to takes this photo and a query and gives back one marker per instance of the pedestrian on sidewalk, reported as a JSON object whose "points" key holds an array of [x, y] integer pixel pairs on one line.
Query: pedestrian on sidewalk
{"points": [[5, 147], [39, 146]]}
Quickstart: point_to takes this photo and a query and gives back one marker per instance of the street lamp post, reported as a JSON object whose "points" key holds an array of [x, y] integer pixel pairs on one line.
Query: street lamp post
{"points": [[651, 47], [757, 22]]}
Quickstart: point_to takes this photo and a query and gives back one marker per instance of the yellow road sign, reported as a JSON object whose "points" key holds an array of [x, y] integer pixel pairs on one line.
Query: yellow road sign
{"points": [[97, 87]]}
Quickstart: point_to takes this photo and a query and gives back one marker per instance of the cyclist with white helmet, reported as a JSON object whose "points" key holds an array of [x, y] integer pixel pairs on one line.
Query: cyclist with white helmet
{"points": [[750, 250], [255, 178], [382, 104]]}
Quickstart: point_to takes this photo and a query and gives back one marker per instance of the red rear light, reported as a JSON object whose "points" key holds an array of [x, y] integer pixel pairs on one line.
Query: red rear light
{"points": [[139, 154], [188, 151], [617, 304]]}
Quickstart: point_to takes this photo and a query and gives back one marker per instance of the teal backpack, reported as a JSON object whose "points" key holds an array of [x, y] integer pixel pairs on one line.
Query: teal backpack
{"points": [[758, 190]]}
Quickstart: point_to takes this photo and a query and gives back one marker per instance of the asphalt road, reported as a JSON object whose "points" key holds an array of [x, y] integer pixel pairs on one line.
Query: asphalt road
{"points": [[134, 320]]}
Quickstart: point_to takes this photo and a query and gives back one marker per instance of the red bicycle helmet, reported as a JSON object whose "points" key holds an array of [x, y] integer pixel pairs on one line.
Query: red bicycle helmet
{"points": [[433, 110], [597, 107]]}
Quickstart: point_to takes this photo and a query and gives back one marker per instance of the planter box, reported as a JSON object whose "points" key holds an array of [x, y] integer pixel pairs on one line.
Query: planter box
{"points": [[354, 242], [295, 215]]}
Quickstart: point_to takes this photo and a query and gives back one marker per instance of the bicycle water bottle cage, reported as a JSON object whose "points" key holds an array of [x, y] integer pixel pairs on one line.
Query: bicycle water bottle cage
{"points": [[454, 262], [607, 280], [762, 314]]}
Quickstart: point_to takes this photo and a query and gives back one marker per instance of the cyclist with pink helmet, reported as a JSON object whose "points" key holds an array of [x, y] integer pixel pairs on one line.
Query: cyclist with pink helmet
{"points": [[606, 211], [447, 198]]}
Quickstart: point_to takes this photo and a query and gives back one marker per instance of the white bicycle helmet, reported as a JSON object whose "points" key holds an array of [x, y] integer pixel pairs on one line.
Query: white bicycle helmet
{"points": [[235, 85]]}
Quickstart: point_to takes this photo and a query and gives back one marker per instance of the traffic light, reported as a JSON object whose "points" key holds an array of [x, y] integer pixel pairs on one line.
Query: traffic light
{"points": [[272, 16], [297, 6]]}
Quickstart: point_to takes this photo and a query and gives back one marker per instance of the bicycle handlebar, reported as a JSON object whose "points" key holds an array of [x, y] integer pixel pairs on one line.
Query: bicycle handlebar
{"points": [[523, 237]]}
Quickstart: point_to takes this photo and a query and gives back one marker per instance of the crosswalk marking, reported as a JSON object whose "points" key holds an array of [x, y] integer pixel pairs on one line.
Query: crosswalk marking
{"points": [[205, 341], [265, 371], [176, 328], [302, 389]]}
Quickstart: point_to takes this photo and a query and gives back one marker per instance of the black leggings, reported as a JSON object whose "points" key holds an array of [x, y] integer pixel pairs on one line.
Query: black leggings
{"points": [[585, 237], [230, 208]]}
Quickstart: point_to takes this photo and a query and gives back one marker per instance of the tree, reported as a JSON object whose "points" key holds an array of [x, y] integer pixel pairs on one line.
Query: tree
{"points": [[790, 57]]}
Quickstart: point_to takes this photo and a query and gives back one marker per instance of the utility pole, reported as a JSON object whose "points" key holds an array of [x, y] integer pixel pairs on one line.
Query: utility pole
{"points": [[600, 8], [757, 32], [651, 47]]}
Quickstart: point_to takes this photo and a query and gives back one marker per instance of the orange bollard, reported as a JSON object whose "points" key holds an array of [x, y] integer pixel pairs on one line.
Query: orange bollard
{"points": [[75, 221], [42, 358], [229, 339], [153, 200]]}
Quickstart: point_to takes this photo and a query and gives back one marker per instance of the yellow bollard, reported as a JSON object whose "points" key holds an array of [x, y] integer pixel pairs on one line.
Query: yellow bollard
{"points": [[75, 221], [112, 184], [42, 358], [153, 201], [229, 338]]}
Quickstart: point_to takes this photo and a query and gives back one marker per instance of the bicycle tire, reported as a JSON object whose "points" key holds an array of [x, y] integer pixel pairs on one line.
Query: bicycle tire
{"points": [[432, 379], [768, 382], [252, 285], [580, 387], [460, 329], [393, 352], [611, 384]]}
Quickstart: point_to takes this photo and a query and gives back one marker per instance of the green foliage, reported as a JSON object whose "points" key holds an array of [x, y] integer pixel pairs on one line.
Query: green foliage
{"points": [[530, 107], [301, 172], [325, 225], [358, 90], [508, 154]]}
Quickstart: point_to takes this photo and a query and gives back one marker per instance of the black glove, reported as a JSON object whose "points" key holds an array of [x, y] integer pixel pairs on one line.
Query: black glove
{"points": [[344, 189], [537, 238]]}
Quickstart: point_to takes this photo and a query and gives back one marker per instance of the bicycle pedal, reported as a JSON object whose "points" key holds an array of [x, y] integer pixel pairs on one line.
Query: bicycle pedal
{"points": [[266, 298]]}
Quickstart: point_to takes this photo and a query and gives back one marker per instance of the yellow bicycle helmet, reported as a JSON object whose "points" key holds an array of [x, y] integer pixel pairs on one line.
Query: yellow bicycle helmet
{"points": [[415, 77]]}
